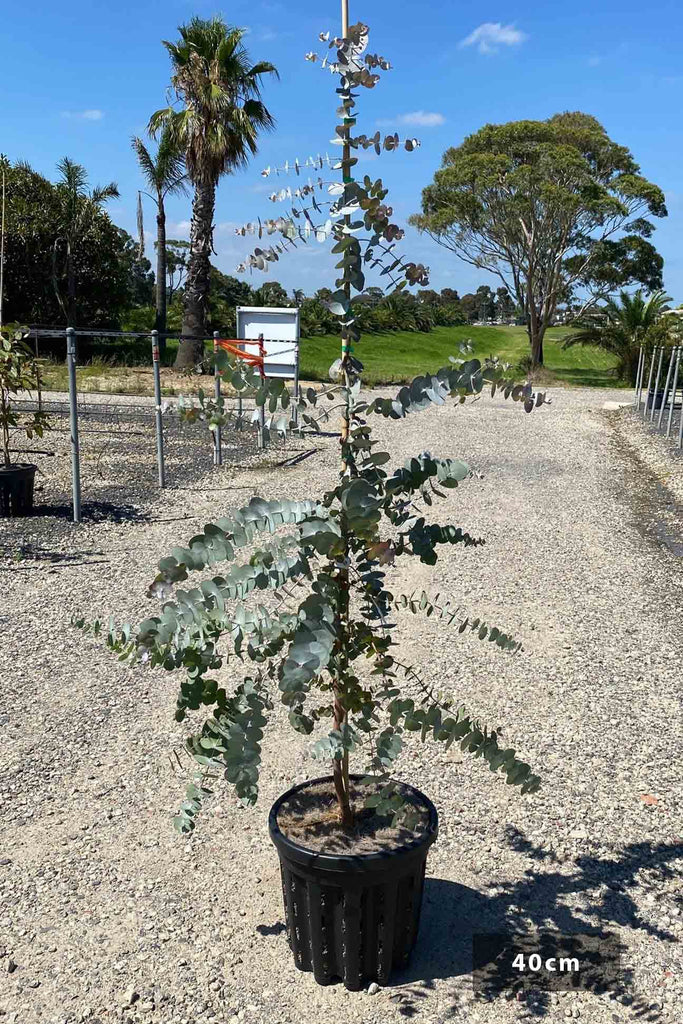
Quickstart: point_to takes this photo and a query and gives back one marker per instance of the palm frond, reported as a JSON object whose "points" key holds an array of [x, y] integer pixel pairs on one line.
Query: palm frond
{"points": [[103, 193], [73, 175], [145, 161], [141, 228], [218, 87]]}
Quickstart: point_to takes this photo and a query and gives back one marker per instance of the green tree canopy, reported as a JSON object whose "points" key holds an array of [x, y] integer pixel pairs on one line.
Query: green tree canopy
{"points": [[107, 277], [272, 293], [548, 207]]}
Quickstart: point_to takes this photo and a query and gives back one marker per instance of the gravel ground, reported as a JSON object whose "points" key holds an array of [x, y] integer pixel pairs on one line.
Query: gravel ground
{"points": [[108, 915]]}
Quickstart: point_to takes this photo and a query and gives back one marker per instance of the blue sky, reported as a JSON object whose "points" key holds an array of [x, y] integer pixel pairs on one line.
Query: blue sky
{"points": [[80, 79]]}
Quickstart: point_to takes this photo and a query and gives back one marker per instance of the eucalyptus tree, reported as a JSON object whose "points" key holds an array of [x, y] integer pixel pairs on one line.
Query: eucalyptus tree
{"points": [[216, 127], [621, 327], [164, 172], [302, 609], [548, 207], [79, 208]]}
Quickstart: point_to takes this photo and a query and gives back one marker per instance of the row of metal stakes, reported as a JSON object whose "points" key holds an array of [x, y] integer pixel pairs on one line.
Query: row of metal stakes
{"points": [[651, 400]]}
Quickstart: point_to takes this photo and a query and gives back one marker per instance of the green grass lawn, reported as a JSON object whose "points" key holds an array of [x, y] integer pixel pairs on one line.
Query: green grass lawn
{"points": [[399, 356], [388, 358]]}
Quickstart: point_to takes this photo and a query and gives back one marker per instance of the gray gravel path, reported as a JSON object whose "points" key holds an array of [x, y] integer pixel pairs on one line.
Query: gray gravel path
{"points": [[108, 915]]}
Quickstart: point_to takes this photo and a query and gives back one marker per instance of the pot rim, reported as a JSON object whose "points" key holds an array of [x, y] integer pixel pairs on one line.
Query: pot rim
{"points": [[18, 466], [349, 861]]}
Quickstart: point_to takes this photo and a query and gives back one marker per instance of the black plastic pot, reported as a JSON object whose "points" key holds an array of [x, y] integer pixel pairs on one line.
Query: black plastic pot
{"points": [[657, 397], [16, 489], [352, 918]]}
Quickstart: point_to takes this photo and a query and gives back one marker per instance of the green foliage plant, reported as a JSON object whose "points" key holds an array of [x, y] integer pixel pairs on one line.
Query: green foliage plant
{"points": [[621, 326], [293, 595], [18, 373]]}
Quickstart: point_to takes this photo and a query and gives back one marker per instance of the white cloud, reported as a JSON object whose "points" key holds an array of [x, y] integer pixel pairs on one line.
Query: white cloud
{"points": [[491, 35], [83, 115], [421, 118], [178, 229]]}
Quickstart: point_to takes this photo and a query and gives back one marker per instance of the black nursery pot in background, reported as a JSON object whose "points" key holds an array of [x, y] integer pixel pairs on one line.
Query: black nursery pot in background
{"points": [[16, 489], [352, 917]]}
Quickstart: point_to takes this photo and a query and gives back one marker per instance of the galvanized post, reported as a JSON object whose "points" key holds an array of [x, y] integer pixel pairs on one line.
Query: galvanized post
{"points": [[262, 407], [296, 386], [157, 409], [639, 376], [38, 384], [73, 413], [649, 383], [666, 391], [217, 434], [673, 393], [654, 393]]}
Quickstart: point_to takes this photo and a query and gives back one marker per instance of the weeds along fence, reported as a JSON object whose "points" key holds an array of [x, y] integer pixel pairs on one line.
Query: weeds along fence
{"points": [[659, 390], [137, 442]]}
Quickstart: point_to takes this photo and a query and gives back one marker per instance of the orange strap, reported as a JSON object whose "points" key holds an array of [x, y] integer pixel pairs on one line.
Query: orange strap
{"points": [[234, 347]]}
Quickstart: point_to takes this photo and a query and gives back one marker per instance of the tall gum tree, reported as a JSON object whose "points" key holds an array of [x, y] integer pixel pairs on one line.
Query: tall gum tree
{"points": [[552, 208], [216, 127]]}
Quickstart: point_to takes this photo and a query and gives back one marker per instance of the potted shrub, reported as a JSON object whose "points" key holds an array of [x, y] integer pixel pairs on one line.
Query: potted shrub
{"points": [[18, 372], [306, 617]]}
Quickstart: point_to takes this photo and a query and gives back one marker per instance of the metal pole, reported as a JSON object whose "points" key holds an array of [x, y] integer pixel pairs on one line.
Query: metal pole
{"points": [[345, 17], [680, 429], [262, 408], [666, 390], [296, 386], [673, 393], [38, 386], [649, 383], [73, 412], [157, 409], [217, 439], [639, 375], [656, 385]]}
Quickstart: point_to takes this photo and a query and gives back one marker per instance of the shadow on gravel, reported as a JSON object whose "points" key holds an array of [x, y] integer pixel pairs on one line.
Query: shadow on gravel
{"points": [[92, 512], [453, 913], [37, 553]]}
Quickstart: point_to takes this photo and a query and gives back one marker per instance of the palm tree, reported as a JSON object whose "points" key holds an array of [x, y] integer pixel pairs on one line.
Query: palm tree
{"points": [[79, 209], [217, 127], [621, 328], [165, 176]]}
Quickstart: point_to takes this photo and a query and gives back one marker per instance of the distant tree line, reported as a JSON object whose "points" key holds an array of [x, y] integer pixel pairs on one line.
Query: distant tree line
{"points": [[68, 264], [376, 313]]}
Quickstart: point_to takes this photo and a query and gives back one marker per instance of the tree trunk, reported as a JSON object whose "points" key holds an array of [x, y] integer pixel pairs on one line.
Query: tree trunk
{"points": [[536, 334], [537, 349], [160, 321], [196, 299], [340, 772]]}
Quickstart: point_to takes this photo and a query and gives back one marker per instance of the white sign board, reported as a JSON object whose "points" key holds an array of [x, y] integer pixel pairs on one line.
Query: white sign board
{"points": [[280, 330]]}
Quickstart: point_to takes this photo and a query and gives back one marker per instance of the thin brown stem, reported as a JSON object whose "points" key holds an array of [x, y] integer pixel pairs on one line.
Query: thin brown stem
{"points": [[4, 419], [341, 767]]}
